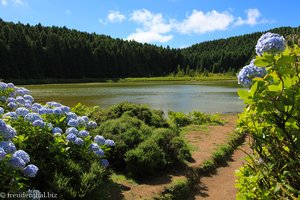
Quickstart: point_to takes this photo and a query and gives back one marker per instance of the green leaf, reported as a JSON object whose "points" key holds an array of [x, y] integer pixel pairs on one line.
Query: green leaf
{"points": [[275, 88], [261, 62], [253, 89], [244, 94]]}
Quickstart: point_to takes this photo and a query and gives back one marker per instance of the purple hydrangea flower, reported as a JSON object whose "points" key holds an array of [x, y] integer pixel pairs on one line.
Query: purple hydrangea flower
{"points": [[3, 86], [94, 147], [99, 152], [39, 106], [30, 170], [56, 130], [57, 111], [22, 111], [17, 162], [39, 123], [23, 155], [271, 43], [8, 146], [249, 72], [20, 100], [92, 124], [79, 141], [31, 117], [99, 139], [71, 115], [12, 115], [9, 133], [22, 91], [53, 104], [42, 111], [65, 109], [29, 98], [73, 122], [11, 99], [83, 133], [71, 137], [12, 105], [104, 162], [110, 143], [10, 85], [72, 130], [2, 154], [1, 110]]}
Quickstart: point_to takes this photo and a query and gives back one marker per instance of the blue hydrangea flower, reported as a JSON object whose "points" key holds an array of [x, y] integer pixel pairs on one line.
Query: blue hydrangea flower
{"points": [[22, 111], [30, 170], [53, 104], [104, 162], [65, 109], [12, 94], [73, 122], [2, 154], [9, 133], [29, 98], [17, 162], [11, 99], [49, 111], [22, 91], [31, 117], [57, 111], [23, 155], [56, 130], [8, 146], [271, 43], [1, 110], [72, 130], [12, 115], [42, 111], [83, 133], [12, 105], [3, 86], [37, 105], [110, 143], [27, 105], [99, 139], [56, 134], [99, 152], [79, 141], [71, 137], [39, 123], [20, 100], [249, 72], [35, 194], [3, 126], [92, 124], [71, 115], [81, 121], [10, 85], [94, 147]]}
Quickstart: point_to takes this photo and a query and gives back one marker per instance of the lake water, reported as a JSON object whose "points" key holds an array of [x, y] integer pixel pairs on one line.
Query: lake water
{"points": [[209, 96]]}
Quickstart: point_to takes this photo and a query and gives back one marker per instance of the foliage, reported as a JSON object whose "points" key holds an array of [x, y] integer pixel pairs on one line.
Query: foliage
{"points": [[145, 143], [181, 119], [54, 140], [56, 54], [271, 118]]}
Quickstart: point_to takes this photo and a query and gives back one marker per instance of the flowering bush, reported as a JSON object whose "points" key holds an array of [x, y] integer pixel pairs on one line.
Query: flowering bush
{"points": [[47, 147], [271, 118]]}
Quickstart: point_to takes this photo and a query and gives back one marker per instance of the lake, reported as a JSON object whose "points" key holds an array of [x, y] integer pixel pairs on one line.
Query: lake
{"points": [[206, 96]]}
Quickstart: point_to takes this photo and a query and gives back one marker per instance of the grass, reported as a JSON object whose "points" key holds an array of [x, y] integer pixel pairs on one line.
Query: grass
{"points": [[210, 77], [121, 178]]}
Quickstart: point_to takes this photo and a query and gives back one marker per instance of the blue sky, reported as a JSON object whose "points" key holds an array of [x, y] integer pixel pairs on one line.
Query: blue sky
{"points": [[177, 23]]}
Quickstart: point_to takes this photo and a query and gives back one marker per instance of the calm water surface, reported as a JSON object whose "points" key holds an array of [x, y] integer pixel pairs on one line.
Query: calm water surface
{"points": [[212, 96]]}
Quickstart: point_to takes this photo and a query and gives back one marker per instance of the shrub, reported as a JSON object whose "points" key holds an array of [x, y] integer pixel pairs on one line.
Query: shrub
{"points": [[271, 118], [53, 142]]}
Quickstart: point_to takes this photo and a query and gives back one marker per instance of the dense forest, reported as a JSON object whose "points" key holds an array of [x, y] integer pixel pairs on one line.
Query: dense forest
{"points": [[39, 52]]}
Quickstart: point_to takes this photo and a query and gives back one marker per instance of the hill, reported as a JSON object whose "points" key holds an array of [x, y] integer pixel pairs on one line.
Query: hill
{"points": [[39, 52]]}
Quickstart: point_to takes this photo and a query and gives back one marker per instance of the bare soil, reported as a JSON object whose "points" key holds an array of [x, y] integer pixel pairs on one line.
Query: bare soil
{"points": [[206, 142]]}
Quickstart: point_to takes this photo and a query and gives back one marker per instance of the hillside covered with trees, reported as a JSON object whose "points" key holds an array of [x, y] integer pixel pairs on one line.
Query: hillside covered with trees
{"points": [[39, 52]]}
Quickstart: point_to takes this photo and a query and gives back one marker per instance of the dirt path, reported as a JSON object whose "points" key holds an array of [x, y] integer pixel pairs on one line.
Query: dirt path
{"points": [[205, 141], [221, 185]]}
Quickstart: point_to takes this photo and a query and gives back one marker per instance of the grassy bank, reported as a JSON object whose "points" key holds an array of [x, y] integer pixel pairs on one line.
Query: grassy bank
{"points": [[208, 77]]}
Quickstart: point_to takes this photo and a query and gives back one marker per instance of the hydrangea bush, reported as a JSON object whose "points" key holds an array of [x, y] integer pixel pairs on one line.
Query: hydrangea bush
{"points": [[48, 147], [272, 120]]}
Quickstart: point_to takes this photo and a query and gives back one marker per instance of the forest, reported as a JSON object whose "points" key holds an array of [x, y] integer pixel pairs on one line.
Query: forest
{"points": [[40, 52]]}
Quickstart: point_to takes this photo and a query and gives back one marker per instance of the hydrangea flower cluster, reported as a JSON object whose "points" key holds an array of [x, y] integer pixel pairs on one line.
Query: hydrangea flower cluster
{"points": [[249, 72], [271, 43], [17, 103], [268, 42]]}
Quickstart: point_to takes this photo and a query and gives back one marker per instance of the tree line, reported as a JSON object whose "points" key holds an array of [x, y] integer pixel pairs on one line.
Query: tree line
{"points": [[40, 52]]}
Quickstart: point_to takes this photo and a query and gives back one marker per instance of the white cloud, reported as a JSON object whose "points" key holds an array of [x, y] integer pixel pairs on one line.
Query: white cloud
{"points": [[199, 22], [253, 18], [103, 22], [68, 12], [15, 2], [4, 2], [154, 27], [115, 16]]}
